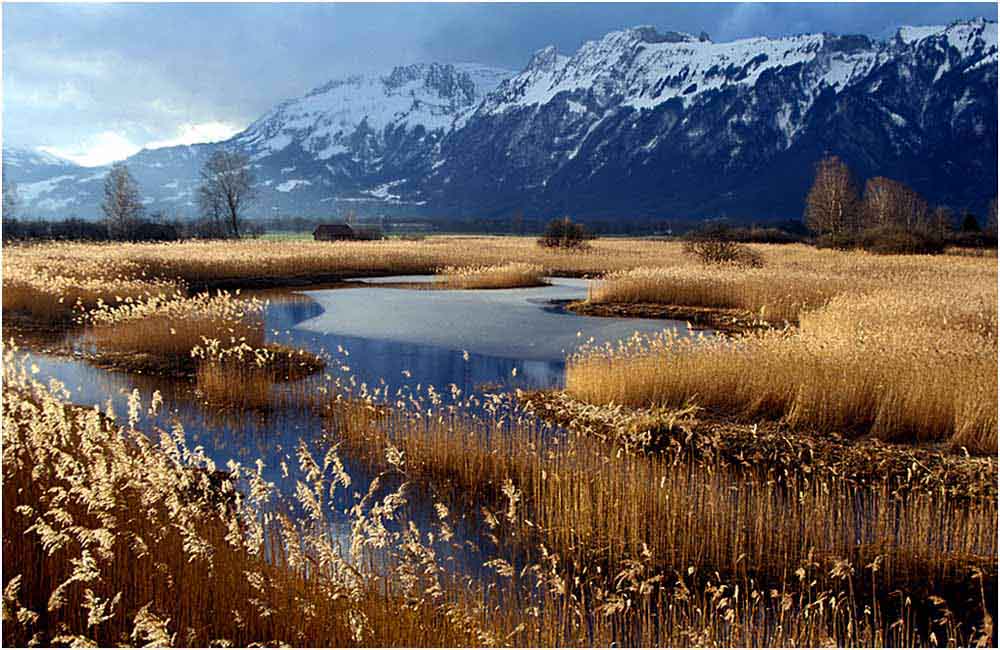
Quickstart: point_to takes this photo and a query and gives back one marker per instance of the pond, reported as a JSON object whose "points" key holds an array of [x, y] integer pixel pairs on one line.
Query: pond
{"points": [[470, 338], [480, 341]]}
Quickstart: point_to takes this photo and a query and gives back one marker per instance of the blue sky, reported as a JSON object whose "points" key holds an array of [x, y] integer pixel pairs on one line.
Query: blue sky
{"points": [[96, 82]]}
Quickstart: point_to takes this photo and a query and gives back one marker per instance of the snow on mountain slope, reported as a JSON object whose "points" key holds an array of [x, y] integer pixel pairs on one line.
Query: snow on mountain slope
{"points": [[17, 157], [328, 120], [639, 122], [665, 122], [640, 68]]}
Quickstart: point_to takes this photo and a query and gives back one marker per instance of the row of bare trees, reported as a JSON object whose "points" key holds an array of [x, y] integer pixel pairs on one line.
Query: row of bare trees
{"points": [[834, 208], [227, 188]]}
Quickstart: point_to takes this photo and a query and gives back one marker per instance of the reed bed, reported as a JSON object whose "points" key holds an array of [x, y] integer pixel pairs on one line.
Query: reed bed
{"points": [[762, 293], [115, 533], [173, 326], [850, 368], [56, 300], [112, 537], [198, 263], [116, 536], [501, 276], [587, 497], [905, 349]]}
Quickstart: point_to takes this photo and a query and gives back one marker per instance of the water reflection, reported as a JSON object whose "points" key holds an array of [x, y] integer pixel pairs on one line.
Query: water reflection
{"points": [[413, 339]]}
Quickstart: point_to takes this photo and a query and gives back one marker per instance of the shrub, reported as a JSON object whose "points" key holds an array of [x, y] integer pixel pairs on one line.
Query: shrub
{"points": [[563, 233], [886, 240], [894, 240], [838, 240], [717, 246], [500, 276], [367, 233]]}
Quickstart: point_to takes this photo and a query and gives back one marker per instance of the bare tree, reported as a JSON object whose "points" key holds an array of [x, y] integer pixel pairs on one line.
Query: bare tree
{"points": [[122, 206], [942, 221], [227, 187], [881, 201], [832, 205], [914, 213], [11, 200], [991, 220], [891, 203], [212, 212]]}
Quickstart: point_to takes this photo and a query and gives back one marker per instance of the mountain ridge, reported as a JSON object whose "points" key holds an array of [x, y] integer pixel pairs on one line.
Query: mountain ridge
{"points": [[638, 122]]}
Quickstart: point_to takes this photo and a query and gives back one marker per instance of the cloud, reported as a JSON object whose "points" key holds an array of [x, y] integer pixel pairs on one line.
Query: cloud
{"points": [[194, 133], [100, 149], [95, 81]]}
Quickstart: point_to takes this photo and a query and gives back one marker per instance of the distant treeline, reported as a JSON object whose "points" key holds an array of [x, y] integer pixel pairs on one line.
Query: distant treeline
{"points": [[144, 230]]}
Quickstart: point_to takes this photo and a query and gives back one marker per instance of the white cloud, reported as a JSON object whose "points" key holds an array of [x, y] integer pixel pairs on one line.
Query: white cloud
{"points": [[101, 149], [195, 133], [109, 146]]}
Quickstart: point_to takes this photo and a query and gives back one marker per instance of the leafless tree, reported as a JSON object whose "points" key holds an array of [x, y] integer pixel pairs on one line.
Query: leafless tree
{"points": [[11, 200], [832, 206], [227, 187], [942, 221], [914, 213], [890, 203], [991, 219], [122, 206], [881, 201], [212, 211]]}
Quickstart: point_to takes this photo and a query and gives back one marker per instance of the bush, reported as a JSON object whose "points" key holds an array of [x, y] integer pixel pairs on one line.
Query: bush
{"points": [[839, 240], [758, 235], [893, 240], [718, 245], [367, 233], [563, 233]]}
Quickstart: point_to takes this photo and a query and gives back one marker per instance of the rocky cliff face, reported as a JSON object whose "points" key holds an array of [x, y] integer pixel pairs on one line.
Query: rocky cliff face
{"points": [[637, 124]]}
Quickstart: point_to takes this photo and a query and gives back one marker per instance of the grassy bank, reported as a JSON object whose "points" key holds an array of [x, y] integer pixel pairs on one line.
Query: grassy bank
{"points": [[501, 276], [903, 365]]}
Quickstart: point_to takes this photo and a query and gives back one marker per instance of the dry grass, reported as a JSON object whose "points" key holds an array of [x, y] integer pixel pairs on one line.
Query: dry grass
{"points": [[113, 538], [211, 263], [598, 508], [502, 276], [592, 501], [902, 366], [762, 293], [904, 348], [171, 327], [693, 432], [40, 299]]}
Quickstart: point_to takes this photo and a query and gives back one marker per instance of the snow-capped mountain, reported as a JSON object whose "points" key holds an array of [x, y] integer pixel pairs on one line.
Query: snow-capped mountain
{"points": [[637, 124], [641, 123], [343, 145]]}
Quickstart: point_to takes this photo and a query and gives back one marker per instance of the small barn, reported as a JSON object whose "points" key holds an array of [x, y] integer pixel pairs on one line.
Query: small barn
{"points": [[333, 232]]}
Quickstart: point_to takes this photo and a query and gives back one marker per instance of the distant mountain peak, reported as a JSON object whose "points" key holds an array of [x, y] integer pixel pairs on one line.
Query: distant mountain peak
{"points": [[641, 121]]}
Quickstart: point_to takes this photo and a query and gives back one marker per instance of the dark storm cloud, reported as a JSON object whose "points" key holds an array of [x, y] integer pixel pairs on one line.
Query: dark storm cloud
{"points": [[98, 80]]}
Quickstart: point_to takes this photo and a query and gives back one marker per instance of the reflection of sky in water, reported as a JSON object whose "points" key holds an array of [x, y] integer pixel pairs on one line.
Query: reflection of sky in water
{"points": [[512, 337], [433, 349], [402, 364]]}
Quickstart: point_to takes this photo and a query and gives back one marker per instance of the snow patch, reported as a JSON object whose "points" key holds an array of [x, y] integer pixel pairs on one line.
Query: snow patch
{"points": [[288, 186]]}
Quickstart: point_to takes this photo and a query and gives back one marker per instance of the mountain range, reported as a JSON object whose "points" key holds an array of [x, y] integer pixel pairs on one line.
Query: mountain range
{"points": [[640, 124]]}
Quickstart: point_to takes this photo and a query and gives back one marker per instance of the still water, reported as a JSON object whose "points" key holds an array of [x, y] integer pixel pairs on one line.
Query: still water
{"points": [[479, 340], [408, 338]]}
